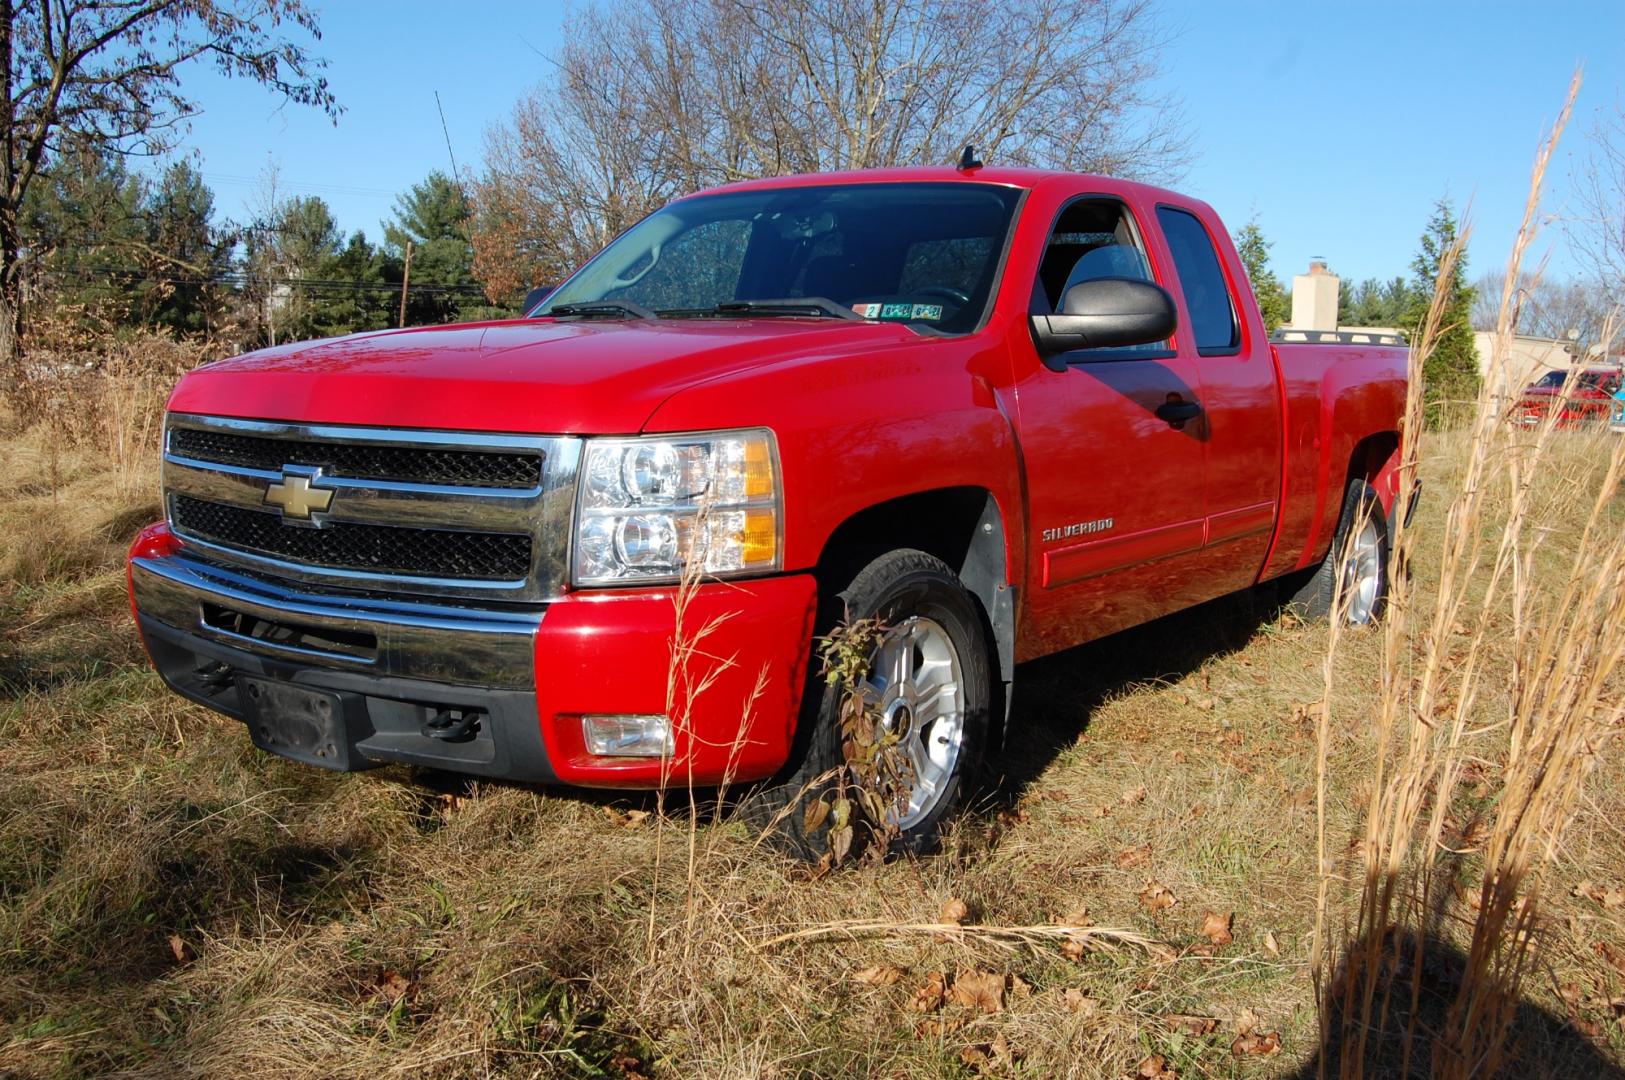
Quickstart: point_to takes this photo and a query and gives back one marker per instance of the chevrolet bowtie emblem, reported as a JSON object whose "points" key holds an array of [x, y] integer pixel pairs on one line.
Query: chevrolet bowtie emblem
{"points": [[296, 497]]}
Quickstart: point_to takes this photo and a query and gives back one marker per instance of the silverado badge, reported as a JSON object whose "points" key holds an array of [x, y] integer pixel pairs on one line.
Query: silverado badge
{"points": [[296, 497]]}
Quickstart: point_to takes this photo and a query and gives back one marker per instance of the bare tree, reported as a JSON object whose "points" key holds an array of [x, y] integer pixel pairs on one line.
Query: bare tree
{"points": [[1597, 230], [1546, 307], [104, 75], [648, 100]]}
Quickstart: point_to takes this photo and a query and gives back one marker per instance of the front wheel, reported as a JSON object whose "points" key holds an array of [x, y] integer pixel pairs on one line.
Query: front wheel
{"points": [[924, 693], [1354, 574]]}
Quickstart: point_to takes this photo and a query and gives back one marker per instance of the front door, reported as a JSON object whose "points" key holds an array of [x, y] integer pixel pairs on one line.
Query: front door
{"points": [[1115, 493]]}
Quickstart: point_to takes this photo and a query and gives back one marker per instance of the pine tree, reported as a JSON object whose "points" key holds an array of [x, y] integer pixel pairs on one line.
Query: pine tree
{"points": [[1450, 373], [183, 254], [83, 222], [434, 218], [1254, 249]]}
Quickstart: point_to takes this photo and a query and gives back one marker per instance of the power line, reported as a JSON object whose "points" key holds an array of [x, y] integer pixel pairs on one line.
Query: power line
{"points": [[131, 275]]}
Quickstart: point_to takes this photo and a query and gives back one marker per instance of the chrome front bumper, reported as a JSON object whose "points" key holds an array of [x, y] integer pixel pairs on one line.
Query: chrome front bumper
{"points": [[380, 671], [468, 646]]}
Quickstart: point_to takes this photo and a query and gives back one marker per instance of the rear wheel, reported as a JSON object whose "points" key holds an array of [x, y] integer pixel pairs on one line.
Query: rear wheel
{"points": [[1354, 574], [925, 691]]}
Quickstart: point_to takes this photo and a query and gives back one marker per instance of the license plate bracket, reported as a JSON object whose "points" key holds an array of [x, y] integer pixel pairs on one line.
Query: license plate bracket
{"points": [[305, 724]]}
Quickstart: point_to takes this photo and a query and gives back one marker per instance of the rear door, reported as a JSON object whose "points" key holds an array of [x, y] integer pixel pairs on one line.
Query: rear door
{"points": [[1241, 412]]}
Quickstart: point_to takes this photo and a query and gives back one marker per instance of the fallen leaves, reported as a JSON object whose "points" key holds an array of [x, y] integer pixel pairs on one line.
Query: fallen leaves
{"points": [[1155, 1067], [625, 819], [1249, 1041], [1609, 898], [1156, 896], [1134, 856], [1131, 797], [1253, 1044], [1216, 927], [955, 911], [1191, 1024], [1076, 1001], [1614, 954], [879, 975], [1271, 946], [183, 953], [989, 1057], [929, 994], [394, 986], [981, 990]]}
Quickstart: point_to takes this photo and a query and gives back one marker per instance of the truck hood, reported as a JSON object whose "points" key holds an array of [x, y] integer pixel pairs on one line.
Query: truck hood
{"points": [[533, 376]]}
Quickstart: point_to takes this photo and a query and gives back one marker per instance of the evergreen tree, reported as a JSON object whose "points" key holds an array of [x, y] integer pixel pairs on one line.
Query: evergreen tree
{"points": [[184, 254], [1450, 374], [82, 223], [282, 259], [354, 291], [1375, 303], [1254, 249], [434, 218]]}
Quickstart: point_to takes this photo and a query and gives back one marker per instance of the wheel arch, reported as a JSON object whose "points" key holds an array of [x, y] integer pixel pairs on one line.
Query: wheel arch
{"points": [[962, 526], [1375, 459]]}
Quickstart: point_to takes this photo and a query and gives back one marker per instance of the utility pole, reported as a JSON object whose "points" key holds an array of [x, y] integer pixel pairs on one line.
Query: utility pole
{"points": [[406, 282]]}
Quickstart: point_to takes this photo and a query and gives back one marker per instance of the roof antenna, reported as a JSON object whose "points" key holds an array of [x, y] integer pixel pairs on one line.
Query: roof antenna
{"points": [[968, 159]]}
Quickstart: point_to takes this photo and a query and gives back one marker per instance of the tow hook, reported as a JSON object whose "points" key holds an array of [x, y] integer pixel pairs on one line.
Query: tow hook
{"points": [[452, 725], [215, 675]]}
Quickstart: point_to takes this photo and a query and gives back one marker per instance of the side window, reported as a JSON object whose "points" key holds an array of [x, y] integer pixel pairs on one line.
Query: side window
{"points": [[1093, 238], [1213, 316]]}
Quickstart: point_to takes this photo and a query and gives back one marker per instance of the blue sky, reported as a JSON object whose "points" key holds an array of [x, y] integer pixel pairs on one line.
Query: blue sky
{"points": [[1339, 125]]}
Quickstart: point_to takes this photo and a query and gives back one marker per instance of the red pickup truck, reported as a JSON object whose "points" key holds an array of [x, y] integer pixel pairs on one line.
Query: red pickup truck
{"points": [[1002, 411], [1582, 398]]}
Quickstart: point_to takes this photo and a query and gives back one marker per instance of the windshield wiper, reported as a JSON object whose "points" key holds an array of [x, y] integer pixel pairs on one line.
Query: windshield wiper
{"points": [[816, 307], [603, 309]]}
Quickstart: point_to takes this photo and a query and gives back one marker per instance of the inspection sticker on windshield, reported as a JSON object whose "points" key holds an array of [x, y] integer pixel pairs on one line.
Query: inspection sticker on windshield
{"points": [[898, 311]]}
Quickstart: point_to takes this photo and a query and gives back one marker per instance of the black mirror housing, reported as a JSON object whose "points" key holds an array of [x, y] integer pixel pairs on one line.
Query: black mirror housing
{"points": [[536, 296], [1105, 313]]}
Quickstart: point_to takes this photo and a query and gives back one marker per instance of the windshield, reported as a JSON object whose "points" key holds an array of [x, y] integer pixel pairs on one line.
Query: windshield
{"points": [[926, 254], [1605, 381]]}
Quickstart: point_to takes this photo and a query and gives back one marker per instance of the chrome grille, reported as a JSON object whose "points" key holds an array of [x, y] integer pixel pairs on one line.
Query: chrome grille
{"points": [[384, 549], [429, 512], [410, 464]]}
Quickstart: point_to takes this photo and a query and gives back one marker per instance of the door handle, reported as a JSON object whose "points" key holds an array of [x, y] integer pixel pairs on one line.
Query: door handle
{"points": [[1178, 412]]}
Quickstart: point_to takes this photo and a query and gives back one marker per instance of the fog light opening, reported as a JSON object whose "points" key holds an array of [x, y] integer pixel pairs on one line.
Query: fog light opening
{"points": [[627, 736]]}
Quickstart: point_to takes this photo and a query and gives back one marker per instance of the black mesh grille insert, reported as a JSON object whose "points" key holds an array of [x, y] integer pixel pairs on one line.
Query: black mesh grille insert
{"points": [[346, 546], [364, 461]]}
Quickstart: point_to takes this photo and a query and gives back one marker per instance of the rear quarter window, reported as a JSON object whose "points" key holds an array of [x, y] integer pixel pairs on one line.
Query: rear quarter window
{"points": [[1201, 278]]}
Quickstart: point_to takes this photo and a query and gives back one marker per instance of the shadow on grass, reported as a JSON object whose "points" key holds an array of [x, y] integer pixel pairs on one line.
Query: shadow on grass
{"points": [[1056, 697], [1539, 1043]]}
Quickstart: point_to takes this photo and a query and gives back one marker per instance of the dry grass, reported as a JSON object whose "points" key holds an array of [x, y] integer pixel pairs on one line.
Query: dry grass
{"points": [[394, 922]]}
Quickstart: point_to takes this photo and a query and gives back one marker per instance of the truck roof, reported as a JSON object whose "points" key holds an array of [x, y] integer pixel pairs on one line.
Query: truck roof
{"points": [[1007, 176]]}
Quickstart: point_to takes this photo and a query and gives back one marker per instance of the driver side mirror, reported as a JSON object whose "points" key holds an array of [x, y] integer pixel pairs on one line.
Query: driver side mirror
{"points": [[1106, 312], [534, 297]]}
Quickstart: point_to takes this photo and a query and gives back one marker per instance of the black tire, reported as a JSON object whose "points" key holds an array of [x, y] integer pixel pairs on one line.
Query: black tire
{"points": [[895, 588], [1314, 599]]}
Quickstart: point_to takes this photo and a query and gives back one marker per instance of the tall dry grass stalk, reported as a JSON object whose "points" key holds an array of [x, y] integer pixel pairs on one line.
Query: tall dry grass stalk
{"points": [[96, 390], [1546, 589]]}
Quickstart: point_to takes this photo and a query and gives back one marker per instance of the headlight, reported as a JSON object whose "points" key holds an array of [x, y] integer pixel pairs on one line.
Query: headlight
{"points": [[650, 507]]}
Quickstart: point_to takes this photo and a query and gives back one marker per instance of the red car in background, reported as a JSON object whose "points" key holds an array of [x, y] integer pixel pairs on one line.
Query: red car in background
{"points": [[1588, 400]]}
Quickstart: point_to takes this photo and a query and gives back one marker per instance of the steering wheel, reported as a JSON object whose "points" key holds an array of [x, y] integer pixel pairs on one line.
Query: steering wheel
{"points": [[947, 292]]}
